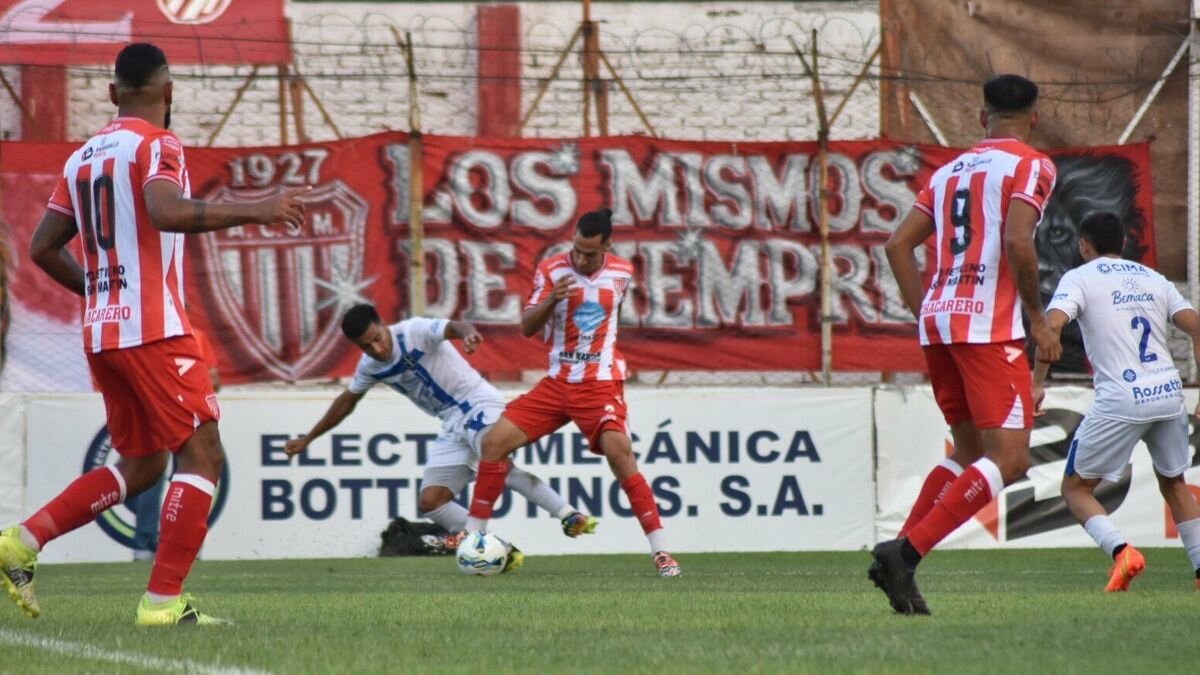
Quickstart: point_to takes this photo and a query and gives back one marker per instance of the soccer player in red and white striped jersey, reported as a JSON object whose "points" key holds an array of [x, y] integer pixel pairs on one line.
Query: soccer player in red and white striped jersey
{"points": [[575, 304], [126, 192], [982, 210]]}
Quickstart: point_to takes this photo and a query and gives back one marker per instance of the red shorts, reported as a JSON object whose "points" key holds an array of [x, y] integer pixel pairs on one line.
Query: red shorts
{"points": [[988, 384], [594, 407], [155, 395]]}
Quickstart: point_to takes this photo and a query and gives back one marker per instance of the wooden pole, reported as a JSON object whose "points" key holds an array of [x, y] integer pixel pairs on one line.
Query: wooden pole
{"points": [[321, 108], [416, 187], [16, 98], [283, 107], [237, 98], [297, 94], [862, 74], [628, 95], [594, 89], [822, 211], [545, 85]]}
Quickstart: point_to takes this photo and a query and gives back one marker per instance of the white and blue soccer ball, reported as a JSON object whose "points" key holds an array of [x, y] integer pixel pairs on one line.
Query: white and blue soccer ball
{"points": [[482, 554]]}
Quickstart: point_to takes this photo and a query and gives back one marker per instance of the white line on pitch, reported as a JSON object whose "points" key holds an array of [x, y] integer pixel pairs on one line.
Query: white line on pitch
{"points": [[85, 651]]}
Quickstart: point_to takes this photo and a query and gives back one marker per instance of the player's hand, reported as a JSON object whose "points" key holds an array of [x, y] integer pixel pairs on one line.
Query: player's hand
{"points": [[285, 207], [563, 288], [471, 341], [1049, 347], [295, 446], [1039, 396]]}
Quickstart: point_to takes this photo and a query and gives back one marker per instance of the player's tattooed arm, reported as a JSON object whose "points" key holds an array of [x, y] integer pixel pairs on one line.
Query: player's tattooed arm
{"points": [[461, 330], [48, 250], [170, 211], [901, 254], [535, 318], [339, 410], [1019, 226]]}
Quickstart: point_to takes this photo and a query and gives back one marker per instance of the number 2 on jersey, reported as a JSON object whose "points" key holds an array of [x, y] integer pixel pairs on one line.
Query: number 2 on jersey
{"points": [[1141, 322], [98, 210]]}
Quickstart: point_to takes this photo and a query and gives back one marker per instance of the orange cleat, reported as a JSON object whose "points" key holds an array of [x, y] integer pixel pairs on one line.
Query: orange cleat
{"points": [[1128, 564]]}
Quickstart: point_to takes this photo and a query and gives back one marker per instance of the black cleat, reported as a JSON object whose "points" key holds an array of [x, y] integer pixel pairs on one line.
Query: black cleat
{"points": [[892, 574]]}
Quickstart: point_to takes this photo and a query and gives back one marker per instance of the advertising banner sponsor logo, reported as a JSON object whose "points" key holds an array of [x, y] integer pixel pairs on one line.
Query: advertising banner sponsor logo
{"points": [[913, 437], [785, 470]]}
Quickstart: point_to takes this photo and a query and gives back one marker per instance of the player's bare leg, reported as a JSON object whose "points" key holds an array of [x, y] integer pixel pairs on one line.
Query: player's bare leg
{"points": [[1186, 513], [618, 450], [1128, 562], [79, 504], [184, 525]]}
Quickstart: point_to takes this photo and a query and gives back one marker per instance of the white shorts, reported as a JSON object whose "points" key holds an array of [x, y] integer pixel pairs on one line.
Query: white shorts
{"points": [[459, 442], [1102, 446]]}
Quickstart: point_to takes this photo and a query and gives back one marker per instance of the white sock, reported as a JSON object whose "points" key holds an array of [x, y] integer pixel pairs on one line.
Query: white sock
{"points": [[658, 540], [451, 515], [1189, 534], [28, 539], [475, 524], [1106, 535], [991, 472], [537, 491], [156, 599]]}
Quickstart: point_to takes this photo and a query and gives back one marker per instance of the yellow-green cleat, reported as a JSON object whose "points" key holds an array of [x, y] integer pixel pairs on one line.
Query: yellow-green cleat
{"points": [[577, 524], [17, 565], [513, 560], [178, 612]]}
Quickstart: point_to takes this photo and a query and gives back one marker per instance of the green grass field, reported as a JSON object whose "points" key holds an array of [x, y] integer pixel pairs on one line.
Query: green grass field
{"points": [[994, 612]]}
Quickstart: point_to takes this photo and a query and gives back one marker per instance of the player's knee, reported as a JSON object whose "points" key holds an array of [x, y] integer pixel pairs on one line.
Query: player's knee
{"points": [[1167, 485], [494, 446], [432, 499], [1014, 469]]}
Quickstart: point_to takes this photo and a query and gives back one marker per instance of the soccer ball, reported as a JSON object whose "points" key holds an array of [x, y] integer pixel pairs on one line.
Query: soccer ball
{"points": [[482, 554]]}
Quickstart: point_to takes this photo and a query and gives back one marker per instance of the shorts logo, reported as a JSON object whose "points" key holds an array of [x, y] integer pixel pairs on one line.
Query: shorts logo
{"points": [[118, 522], [589, 316], [1129, 375]]}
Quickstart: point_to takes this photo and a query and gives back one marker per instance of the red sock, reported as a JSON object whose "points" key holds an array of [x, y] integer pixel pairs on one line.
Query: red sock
{"points": [[936, 484], [489, 483], [183, 526], [641, 498], [969, 493], [87, 497]]}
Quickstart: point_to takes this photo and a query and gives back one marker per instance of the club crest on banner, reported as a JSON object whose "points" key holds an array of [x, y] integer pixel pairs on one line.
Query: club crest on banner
{"points": [[193, 11], [283, 292]]}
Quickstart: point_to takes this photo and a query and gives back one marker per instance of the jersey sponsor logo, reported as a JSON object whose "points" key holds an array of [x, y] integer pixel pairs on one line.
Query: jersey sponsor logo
{"points": [[1129, 375], [967, 273], [193, 11], [589, 316], [580, 357], [1121, 268], [953, 306], [119, 521], [282, 292], [1119, 298], [109, 314], [1159, 392]]}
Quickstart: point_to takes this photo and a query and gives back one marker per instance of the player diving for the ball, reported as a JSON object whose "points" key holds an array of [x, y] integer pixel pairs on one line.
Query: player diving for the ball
{"points": [[415, 358]]}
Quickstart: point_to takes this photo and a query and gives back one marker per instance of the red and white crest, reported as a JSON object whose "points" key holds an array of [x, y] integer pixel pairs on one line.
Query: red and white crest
{"points": [[282, 292], [193, 11]]}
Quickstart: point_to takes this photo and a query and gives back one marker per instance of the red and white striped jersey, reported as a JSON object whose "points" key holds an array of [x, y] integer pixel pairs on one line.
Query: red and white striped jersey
{"points": [[582, 333], [972, 297], [133, 272]]}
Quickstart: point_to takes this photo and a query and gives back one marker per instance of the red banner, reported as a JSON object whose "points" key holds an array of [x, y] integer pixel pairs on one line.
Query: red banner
{"points": [[68, 32], [723, 237]]}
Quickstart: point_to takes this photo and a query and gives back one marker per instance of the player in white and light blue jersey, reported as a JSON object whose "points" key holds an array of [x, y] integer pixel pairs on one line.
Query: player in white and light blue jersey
{"points": [[415, 358], [1124, 309]]}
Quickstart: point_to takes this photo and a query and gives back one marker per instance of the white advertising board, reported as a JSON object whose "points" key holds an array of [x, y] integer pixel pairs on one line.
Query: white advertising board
{"points": [[912, 437], [12, 457], [733, 470]]}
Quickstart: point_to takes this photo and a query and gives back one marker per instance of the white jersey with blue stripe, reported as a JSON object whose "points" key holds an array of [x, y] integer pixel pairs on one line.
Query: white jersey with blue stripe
{"points": [[426, 368]]}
